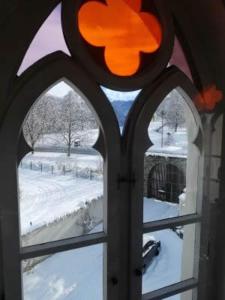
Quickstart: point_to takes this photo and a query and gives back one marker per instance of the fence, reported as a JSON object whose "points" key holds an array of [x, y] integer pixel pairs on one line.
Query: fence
{"points": [[73, 150], [62, 169]]}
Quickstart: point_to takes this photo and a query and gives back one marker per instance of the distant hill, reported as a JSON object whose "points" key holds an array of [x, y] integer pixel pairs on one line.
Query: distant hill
{"points": [[121, 109]]}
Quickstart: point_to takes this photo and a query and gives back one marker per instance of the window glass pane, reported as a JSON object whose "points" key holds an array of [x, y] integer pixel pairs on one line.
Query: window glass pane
{"points": [[184, 296], [48, 39], [121, 103], [168, 257], [61, 181], [75, 274], [171, 163]]}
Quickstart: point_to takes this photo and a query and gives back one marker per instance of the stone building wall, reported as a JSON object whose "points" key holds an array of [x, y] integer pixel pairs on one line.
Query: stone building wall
{"points": [[152, 160]]}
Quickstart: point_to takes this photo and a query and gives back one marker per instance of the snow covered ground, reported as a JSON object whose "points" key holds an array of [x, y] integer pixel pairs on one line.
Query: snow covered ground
{"points": [[54, 279], [166, 267], [157, 210], [59, 160], [45, 197], [174, 144], [42, 192], [70, 275]]}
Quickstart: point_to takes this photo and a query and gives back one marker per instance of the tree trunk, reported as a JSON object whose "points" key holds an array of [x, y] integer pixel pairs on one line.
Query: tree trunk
{"points": [[162, 131], [32, 146], [69, 139], [69, 150], [176, 126]]}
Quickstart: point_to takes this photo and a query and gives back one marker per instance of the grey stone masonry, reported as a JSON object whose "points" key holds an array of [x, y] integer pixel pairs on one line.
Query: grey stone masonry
{"points": [[152, 160]]}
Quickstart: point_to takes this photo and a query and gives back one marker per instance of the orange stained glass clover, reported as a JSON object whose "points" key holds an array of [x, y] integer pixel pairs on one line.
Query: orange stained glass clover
{"points": [[123, 30], [207, 99]]}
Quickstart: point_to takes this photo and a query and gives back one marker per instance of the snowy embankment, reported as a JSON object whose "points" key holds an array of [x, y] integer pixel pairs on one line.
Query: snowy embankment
{"points": [[45, 198], [80, 222]]}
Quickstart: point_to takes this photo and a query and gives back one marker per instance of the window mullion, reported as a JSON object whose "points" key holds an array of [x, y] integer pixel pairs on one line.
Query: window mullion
{"points": [[62, 245], [172, 290], [172, 222]]}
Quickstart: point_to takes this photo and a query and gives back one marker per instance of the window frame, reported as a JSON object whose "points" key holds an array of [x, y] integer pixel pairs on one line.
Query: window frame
{"points": [[119, 184], [9, 217], [138, 142], [57, 67]]}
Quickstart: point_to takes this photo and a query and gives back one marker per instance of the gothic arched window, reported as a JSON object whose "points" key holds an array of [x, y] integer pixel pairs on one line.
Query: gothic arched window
{"points": [[100, 101]]}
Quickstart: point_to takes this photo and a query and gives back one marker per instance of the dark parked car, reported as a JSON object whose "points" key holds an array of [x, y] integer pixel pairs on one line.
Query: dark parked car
{"points": [[77, 143], [151, 248]]}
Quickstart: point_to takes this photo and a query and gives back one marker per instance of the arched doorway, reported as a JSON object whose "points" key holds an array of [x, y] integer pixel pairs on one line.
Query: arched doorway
{"points": [[165, 182]]}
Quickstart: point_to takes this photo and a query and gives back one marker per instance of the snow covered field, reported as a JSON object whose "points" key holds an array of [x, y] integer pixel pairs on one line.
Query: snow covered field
{"points": [[45, 197], [55, 162]]}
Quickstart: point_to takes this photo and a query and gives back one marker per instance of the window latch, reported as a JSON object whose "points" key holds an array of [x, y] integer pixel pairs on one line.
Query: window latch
{"points": [[138, 272], [126, 180], [114, 280]]}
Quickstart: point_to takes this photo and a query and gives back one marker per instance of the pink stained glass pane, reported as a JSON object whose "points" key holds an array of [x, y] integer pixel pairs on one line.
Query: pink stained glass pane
{"points": [[178, 59], [48, 39]]}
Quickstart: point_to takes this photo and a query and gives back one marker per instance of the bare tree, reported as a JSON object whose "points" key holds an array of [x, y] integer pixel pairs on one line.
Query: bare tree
{"points": [[35, 123], [73, 117], [172, 109], [64, 117]]}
